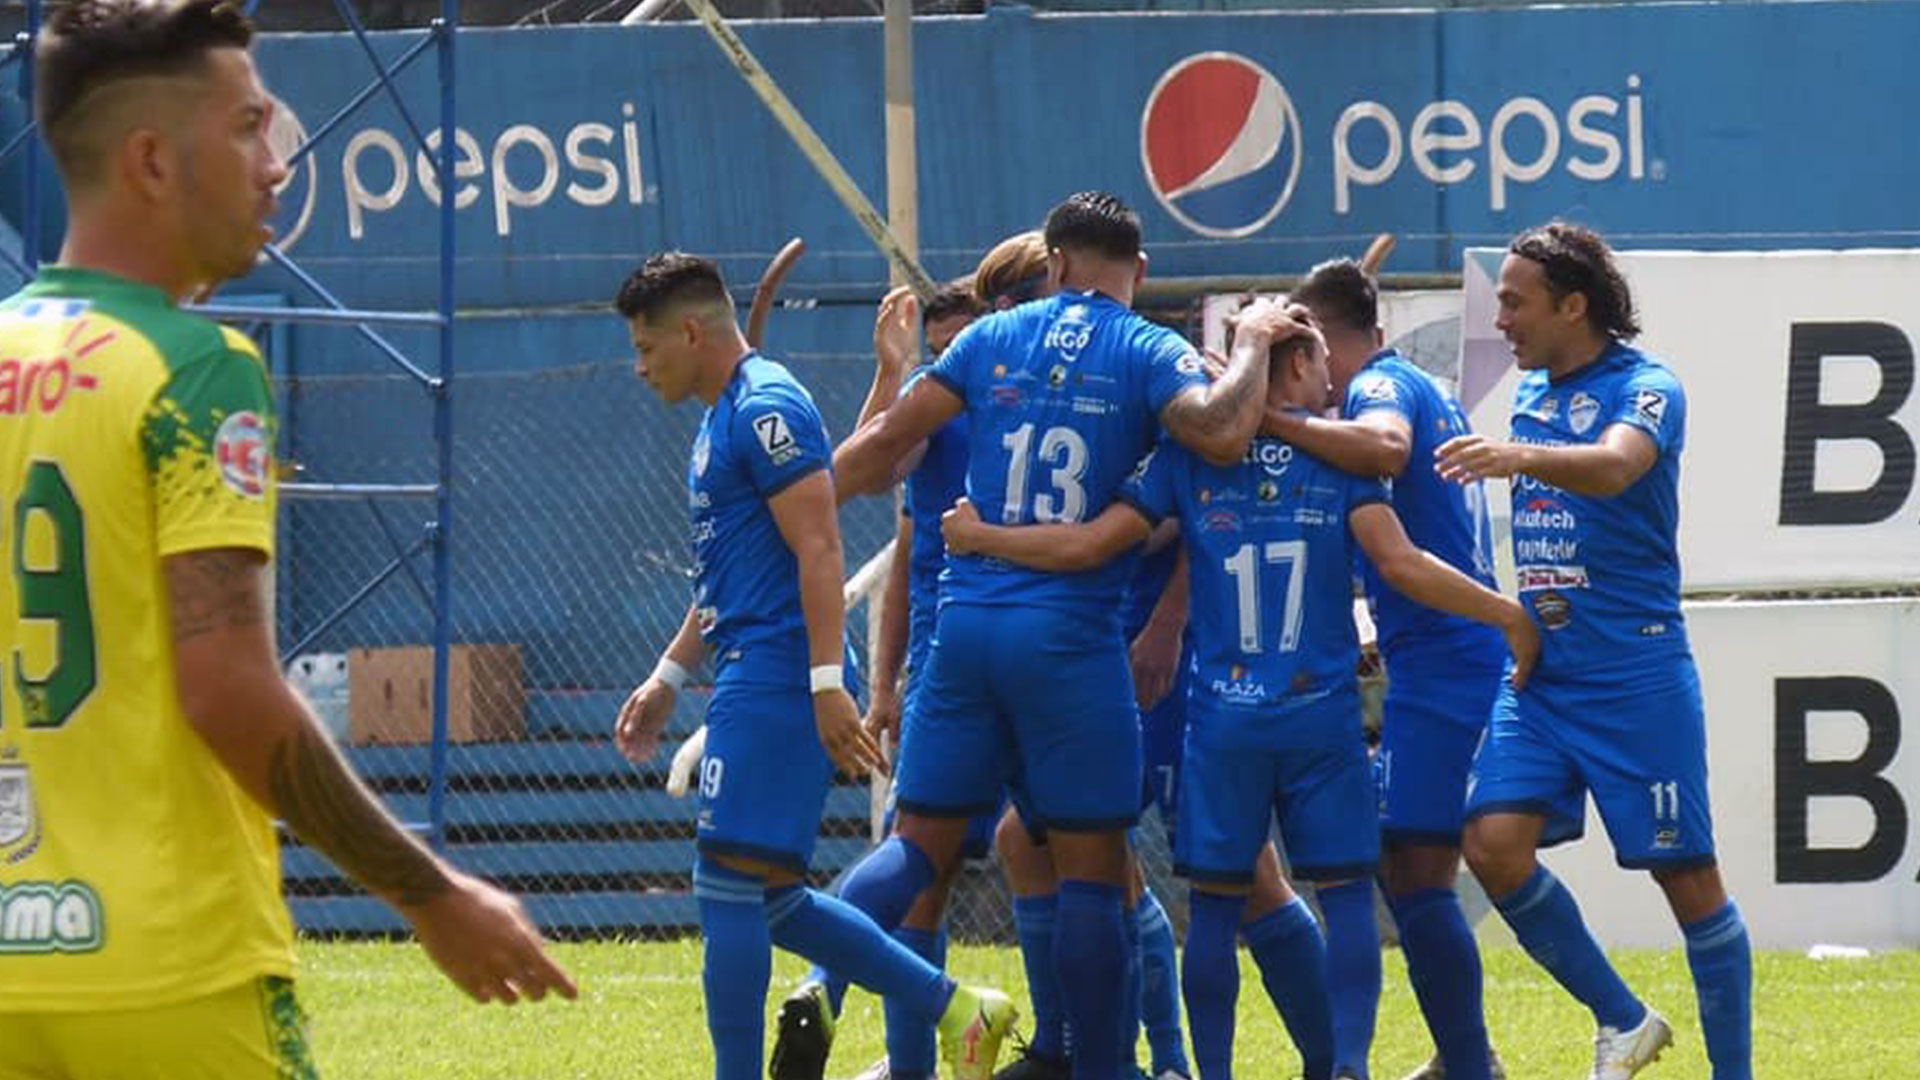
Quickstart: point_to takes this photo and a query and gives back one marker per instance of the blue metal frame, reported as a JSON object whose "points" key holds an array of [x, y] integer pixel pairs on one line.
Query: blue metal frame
{"points": [[438, 532]]}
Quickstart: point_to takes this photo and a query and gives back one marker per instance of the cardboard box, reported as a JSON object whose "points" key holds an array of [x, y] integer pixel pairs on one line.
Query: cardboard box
{"points": [[390, 694]]}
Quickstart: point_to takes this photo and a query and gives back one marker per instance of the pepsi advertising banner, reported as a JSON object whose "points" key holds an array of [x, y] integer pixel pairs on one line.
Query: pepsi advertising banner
{"points": [[1251, 144]]}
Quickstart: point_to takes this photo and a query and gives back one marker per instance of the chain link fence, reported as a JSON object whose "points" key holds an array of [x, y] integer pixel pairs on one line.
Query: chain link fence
{"points": [[570, 572]]}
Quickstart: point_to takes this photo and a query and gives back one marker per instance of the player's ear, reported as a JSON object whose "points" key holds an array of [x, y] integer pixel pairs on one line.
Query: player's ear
{"points": [[1572, 307], [1056, 270], [1140, 269], [147, 162]]}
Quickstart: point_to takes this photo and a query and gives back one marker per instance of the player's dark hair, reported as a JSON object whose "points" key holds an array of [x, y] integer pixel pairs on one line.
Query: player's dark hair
{"points": [[1281, 353], [666, 280], [954, 298], [1094, 222], [88, 45], [1341, 294], [1576, 260]]}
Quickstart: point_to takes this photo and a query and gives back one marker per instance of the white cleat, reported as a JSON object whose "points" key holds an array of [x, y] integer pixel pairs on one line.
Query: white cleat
{"points": [[1618, 1055], [1436, 1069]]}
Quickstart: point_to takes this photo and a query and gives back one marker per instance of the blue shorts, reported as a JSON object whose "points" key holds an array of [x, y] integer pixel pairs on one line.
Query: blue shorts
{"points": [[764, 779], [1323, 797], [1640, 746], [1432, 727], [1029, 697], [1163, 733]]}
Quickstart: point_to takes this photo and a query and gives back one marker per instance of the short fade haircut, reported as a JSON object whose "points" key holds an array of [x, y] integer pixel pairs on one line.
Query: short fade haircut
{"points": [[1576, 260], [89, 45], [1013, 272], [668, 280], [954, 298], [1097, 223], [1341, 294]]}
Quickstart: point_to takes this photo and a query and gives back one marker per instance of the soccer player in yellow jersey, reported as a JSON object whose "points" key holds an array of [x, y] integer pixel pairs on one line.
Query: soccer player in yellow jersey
{"points": [[147, 736]]}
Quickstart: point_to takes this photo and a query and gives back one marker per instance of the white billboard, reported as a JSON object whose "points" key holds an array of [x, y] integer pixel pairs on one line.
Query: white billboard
{"points": [[1799, 370], [1815, 783]]}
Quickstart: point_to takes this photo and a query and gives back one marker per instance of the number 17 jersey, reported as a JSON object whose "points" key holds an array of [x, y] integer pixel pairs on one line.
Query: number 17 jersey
{"points": [[1063, 398]]}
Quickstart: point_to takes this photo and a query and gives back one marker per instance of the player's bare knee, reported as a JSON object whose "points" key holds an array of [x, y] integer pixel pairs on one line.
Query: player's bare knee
{"points": [[1412, 868], [1693, 892], [1501, 865]]}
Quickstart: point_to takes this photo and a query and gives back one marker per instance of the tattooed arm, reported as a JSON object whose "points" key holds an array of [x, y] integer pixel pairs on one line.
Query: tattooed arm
{"points": [[233, 694], [1219, 420]]}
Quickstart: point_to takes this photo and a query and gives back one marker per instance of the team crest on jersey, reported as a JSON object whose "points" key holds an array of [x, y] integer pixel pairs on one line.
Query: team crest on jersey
{"points": [[1582, 411], [775, 439], [1651, 405], [1545, 411], [16, 805], [240, 448]]}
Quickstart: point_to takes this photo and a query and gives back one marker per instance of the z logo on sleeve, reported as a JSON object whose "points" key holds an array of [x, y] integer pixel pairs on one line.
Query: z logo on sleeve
{"points": [[775, 439], [1650, 405]]}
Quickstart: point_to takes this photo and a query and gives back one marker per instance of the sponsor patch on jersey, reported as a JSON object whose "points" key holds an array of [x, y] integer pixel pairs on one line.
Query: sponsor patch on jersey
{"points": [[49, 917], [1268, 491], [702, 452], [1650, 405], [16, 805], [1007, 397], [1190, 364], [1219, 521], [1582, 411], [775, 439], [1553, 608], [1379, 390], [1057, 378], [240, 448], [1530, 578]]}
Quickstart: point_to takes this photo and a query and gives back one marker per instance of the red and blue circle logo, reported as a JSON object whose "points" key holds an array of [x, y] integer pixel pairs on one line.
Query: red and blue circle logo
{"points": [[1220, 144]]}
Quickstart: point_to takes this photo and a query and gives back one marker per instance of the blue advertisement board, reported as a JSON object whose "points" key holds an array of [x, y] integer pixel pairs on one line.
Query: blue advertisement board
{"points": [[1251, 144]]}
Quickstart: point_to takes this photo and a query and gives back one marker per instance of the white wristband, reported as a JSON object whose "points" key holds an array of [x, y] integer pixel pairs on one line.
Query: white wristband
{"points": [[824, 677], [671, 673]]}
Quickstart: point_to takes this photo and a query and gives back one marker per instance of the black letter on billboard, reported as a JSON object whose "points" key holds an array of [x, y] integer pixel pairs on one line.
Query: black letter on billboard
{"points": [[1797, 780], [1809, 422]]}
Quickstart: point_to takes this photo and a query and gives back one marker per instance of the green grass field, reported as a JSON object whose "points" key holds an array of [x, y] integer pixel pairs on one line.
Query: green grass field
{"points": [[380, 1011]]}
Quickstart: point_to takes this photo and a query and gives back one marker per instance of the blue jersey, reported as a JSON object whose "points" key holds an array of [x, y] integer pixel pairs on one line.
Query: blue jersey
{"points": [[1446, 519], [760, 437], [1601, 576], [931, 490], [1062, 399], [1270, 558]]}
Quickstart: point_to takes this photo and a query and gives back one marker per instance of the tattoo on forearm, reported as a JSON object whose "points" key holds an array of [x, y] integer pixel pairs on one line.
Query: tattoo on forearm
{"points": [[329, 809], [211, 590]]}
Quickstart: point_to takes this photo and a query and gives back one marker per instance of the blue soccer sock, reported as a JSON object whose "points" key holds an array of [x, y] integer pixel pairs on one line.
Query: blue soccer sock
{"points": [[1547, 921], [1160, 987], [1721, 957], [1443, 964], [1090, 954], [838, 936], [1129, 1045], [737, 962], [1034, 920], [1210, 979], [1292, 958], [912, 1049], [1353, 971], [885, 882]]}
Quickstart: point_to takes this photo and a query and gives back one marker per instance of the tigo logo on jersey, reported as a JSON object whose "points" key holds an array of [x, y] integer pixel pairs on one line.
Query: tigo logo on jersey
{"points": [[240, 448], [1220, 144]]}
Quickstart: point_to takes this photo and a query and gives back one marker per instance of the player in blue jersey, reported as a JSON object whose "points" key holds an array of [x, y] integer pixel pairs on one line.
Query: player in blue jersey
{"points": [[805, 1027], [767, 571], [1443, 673], [1274, 710], [1028, 680], [1614, 710]]}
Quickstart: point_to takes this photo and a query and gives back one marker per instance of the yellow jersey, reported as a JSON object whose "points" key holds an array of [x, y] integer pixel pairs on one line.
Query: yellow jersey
{"points": [[133, 871]]}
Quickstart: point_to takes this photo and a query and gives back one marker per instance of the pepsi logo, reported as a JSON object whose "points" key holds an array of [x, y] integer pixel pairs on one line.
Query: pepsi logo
{"points": [[286, 135], [1220, 144]]}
